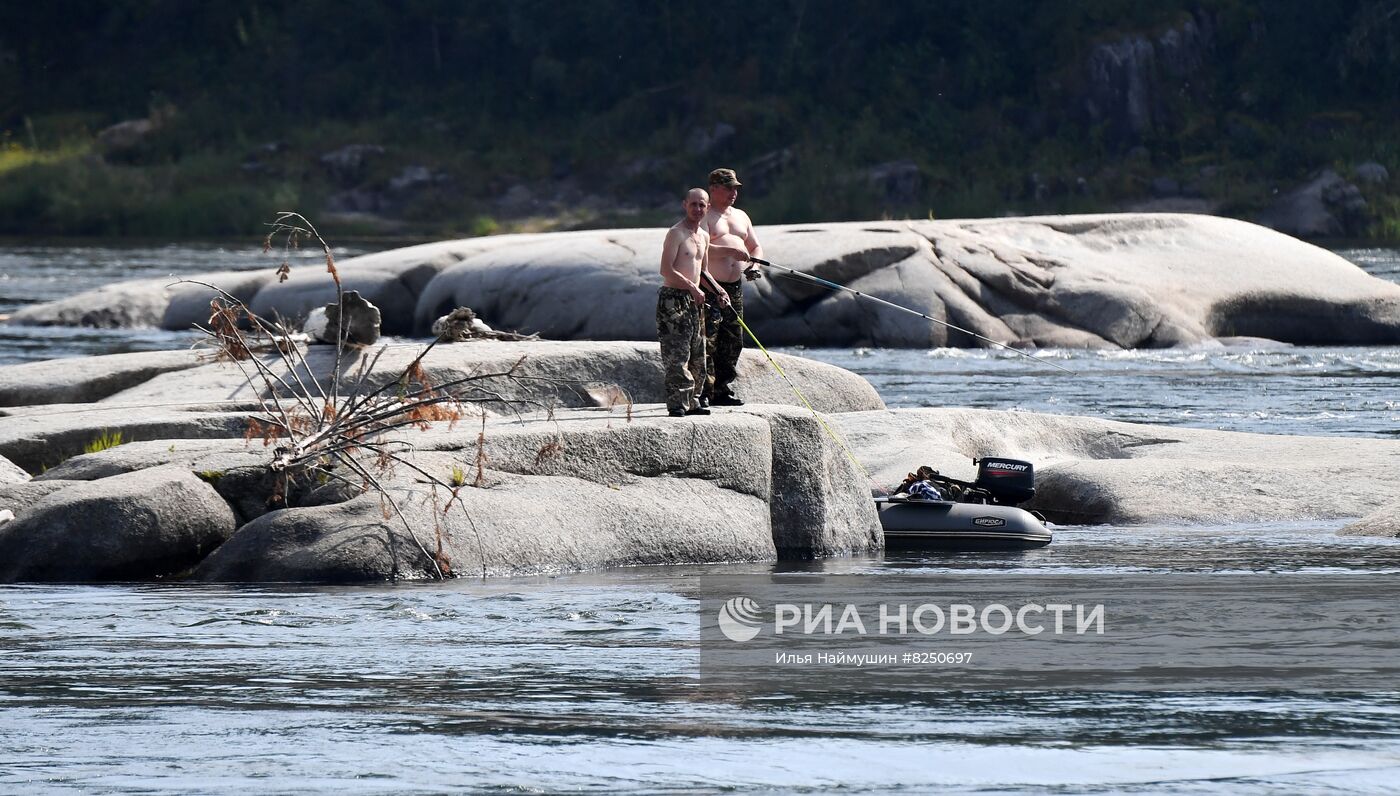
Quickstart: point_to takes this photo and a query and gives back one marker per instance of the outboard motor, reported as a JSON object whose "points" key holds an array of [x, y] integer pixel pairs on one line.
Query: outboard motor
{"points": [[1008, 481]]}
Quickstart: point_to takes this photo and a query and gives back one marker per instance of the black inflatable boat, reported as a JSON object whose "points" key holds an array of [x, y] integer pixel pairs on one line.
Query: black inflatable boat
{"points": [[981, 515]]}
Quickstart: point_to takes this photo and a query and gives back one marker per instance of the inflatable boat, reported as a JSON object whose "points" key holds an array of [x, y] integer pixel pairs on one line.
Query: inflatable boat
{"points": [[981, 515]]}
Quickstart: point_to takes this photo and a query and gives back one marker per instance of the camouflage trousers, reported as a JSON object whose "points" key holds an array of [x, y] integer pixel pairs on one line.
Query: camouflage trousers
{"points": [[680, 329], [724, 341]]}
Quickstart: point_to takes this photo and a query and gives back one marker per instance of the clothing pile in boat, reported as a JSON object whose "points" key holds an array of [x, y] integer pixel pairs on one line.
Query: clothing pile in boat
{"points": [[927, 484]]}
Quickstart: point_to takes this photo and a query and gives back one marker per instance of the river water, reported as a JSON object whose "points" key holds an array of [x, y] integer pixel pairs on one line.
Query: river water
{"points": [[589, 682]]}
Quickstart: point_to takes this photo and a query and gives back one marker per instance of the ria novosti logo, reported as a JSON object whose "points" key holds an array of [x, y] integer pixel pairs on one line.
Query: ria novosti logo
{"points": [[740, 619]]}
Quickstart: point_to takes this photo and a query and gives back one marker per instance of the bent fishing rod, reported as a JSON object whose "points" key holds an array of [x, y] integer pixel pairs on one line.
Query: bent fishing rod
{"points": [[834, 286]]}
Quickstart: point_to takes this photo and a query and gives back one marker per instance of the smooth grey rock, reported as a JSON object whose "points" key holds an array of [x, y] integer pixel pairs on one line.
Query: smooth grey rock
{"points": [[1052, 280], [121, 305], [1099, 471], [821, 502], [1371, 173], [589, 489], [651, 492], [142, 525], [1384, 521], [10, 473], [59, 381], [189, 303]]}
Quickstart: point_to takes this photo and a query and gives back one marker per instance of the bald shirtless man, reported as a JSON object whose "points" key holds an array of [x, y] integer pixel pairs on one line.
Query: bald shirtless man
{"points": [[679, 308], [733, 243]]}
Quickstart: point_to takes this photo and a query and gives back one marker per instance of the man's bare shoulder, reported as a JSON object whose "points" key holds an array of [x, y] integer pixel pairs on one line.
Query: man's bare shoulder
{"points": [[740, 216]]}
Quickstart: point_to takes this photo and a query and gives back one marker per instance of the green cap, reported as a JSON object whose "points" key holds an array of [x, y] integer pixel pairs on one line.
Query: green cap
{"points": [[725, 177]]}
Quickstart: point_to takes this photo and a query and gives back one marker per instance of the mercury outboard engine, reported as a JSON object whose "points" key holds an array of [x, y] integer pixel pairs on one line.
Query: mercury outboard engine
{"points": [[1006, 481]]}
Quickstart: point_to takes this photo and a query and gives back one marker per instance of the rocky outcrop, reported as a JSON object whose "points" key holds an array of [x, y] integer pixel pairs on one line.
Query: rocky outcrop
{"points": [[1327, 206], [1128, 82], [143, 525], [1127, 280], [584, 491], [1099, 471], [213, 400], [580, 493], [550, 498], [599, 486]]}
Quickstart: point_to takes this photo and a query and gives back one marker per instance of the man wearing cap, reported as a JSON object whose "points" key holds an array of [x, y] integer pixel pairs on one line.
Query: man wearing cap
{"points": [[733, 244]]}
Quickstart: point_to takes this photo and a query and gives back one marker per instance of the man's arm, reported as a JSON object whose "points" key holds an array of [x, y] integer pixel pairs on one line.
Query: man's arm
{"points": [[755, 249]]}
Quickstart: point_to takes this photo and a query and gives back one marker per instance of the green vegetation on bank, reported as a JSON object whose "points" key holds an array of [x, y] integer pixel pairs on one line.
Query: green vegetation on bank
{"points": [[490, 116]]}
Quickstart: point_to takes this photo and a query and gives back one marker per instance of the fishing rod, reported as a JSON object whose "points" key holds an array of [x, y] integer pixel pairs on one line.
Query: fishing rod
{"points": [[834, 286]]}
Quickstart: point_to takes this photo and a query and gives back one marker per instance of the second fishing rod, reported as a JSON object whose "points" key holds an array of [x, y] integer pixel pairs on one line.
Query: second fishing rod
{"points": [[858, 294]]}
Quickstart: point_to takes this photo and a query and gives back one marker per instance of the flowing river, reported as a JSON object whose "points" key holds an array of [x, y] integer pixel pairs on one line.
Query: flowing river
{"points": [[590, 682]]}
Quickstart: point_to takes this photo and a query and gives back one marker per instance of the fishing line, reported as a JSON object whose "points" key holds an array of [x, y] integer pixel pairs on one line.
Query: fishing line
{"points": [[834, 286], [830, 432]]}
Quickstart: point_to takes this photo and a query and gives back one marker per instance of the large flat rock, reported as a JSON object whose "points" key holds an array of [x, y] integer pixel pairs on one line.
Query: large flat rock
{"points": [[189, 398], [585, 490], [87, 379], [1100, 471], [549, 375], [1124, 280]]}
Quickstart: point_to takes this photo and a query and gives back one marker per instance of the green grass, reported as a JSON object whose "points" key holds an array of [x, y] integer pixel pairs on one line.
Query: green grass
{"points": [[105, 441], [14, 156]]}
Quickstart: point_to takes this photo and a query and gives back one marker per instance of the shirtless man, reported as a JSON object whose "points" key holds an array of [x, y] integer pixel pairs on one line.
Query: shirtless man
{"points": [[679, 308], [733, 243]]}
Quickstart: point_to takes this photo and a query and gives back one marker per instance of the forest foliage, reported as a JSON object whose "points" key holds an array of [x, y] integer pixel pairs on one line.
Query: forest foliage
{"points": [[999, 105]]}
